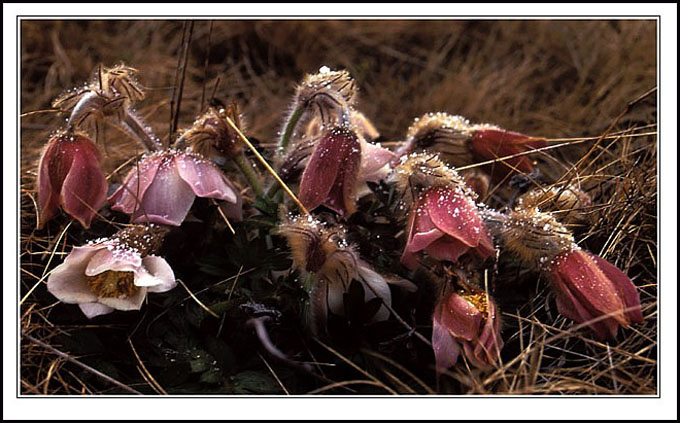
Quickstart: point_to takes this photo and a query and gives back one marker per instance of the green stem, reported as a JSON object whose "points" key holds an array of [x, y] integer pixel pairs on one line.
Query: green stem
{"points": [[290, 127], [273, 190], [247, 168]]}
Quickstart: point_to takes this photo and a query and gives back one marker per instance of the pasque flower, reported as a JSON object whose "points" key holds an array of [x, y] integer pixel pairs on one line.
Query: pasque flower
{"points": [[162, 187], [113, 273], [70, 176], [339, 163], [466, 321], [444, 221], [589, 289], [461, 143], [329, 264]]}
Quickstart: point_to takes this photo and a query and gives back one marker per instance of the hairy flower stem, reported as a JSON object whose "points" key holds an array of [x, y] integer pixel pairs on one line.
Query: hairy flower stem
{"points": [[293, 120], [134, 125], [247, 168]]}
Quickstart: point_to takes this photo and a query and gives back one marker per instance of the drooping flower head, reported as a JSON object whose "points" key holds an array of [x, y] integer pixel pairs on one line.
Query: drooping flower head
{"points": [[339, 164], [113, 273], [466, 321], [211, 135], [444, 221], [70, 176], [588, 289], [329, 263], [109, 97], [461, 143], [162, 187], [327, 92]]}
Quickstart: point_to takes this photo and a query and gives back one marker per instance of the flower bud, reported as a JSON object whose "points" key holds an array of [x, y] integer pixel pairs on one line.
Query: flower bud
{"points": [[568, 203], [70, 176], [330, 93], [211, 135]]}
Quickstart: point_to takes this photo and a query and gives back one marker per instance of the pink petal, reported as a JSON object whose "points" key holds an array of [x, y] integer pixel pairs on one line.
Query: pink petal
{"points": [[113, 260], [455, 214], [571, 308], [460, 317], [128, 197], [204, 178], [233, 211], [625, 286], [335, 299], [48, 195], [161, 272], [84, 189], [445, 347], [94, 309], [373, 161], [589, 285], [168, 199], [447, 249], [334, 163]]}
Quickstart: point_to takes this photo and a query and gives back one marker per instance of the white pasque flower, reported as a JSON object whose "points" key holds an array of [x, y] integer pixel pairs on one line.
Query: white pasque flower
{"points": [[107, 275]]}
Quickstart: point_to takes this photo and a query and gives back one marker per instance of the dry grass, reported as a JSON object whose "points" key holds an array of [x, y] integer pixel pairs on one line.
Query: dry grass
{"points": [[547, 78]]}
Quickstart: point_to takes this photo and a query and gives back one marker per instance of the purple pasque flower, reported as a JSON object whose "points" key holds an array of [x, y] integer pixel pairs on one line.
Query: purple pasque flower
{"points": [[110, 274], [164, 184], [70, 176], [339, 164]]}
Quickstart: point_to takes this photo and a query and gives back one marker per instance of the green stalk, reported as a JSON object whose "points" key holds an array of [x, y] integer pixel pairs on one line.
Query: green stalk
{"points": [[247, 168], [290, 127]]}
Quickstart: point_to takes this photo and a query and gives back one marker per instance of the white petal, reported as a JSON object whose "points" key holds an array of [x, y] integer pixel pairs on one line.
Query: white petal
{"points": [[67, 281], [336, 303], [160, 278], [375, 286], [94, 309]]}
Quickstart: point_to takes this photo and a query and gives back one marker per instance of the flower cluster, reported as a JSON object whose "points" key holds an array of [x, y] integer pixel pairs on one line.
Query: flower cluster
{"points": [[328, 153]]}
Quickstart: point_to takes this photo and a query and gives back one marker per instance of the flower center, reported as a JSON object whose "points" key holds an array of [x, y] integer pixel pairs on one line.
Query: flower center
{"points": [[112, 284], [478, 300]]}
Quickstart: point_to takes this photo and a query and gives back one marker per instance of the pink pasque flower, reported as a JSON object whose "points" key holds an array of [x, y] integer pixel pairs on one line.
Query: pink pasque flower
{"points": [[467, 322], [588, 287], [163, 186], [445, 223], [340, 162], [108, 275], [70, 176]]}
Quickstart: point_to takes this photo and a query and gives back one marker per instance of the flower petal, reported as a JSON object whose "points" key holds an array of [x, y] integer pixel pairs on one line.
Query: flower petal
{"points": [[333, 164], [67, 281], [492, 143], [591, 287], [374, 161], [625, 286], [447, 249], [460, 317], [204, 178], [162, 278], [128, 197], [376, 287], [83, 192], [94, 309], [455, 214], [168, 199], [48, 190], [445, 347], [117, 260]]}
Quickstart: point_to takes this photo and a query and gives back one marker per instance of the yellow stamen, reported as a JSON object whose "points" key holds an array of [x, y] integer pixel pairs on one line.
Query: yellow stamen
{"points": [[112, 284]]}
